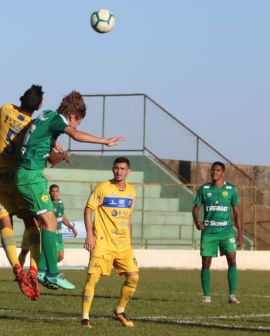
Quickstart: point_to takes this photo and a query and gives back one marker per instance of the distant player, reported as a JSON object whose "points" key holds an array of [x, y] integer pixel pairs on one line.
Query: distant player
{"points": [[14, 121], [109, 240], [31, 182], [220, 202], [58, 209]]}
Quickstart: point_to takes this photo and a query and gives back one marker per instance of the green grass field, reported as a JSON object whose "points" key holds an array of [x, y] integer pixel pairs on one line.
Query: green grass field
{"points": [[167, 302]]}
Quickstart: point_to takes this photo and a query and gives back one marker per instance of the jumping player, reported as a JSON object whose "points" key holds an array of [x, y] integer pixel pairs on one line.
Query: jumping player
{"points": [[14, 120], [31, 182]]}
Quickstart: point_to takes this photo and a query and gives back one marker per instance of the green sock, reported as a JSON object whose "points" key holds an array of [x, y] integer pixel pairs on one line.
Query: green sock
{"points": [[49, 250], [42, 267], [232, 280], [205, 280]]}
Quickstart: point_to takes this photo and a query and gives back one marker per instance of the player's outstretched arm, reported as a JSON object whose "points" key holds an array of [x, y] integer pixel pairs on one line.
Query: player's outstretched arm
{"points": [[86, 137]]}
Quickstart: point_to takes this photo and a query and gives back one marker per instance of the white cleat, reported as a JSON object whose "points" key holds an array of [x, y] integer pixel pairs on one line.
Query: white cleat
{"points": [[206, 299], [232, 299]]}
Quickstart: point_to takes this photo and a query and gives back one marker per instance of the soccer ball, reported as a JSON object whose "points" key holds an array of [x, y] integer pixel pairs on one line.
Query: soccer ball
{"points": [[102, 21]]}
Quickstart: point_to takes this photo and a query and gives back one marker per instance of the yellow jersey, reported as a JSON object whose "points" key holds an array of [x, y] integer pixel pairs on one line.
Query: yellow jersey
{"points": [[12, 129], [113, 209]]}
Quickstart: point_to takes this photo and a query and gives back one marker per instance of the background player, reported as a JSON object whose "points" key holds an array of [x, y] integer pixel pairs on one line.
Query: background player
{"points": [[14, 121], [58, 209], [109, 239], [31, 182], [220, 200]]}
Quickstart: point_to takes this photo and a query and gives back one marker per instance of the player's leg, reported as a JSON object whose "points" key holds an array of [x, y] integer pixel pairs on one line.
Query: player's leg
{"points": [[209, 249], [88, 296], [228, 247], [100, 263], [125, 263], [32, 233], [33, 186], [52, 278], [9, 245], [24, 247], [60, 247]]}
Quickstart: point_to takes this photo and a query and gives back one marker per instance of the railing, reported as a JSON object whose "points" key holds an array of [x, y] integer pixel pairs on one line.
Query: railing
{"points": [[152, 130]]}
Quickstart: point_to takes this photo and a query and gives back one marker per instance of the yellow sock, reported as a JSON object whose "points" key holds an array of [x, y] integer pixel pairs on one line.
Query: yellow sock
{"points": [[127, 291], [9, 245], [88, 294], [34, 245]]}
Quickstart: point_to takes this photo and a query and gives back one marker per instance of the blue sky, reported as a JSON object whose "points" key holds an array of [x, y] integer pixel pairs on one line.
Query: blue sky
{"points": [[206, 61]]}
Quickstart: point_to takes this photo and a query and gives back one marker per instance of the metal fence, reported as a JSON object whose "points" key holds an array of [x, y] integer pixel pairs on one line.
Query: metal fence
{"points": [[151, 130]]}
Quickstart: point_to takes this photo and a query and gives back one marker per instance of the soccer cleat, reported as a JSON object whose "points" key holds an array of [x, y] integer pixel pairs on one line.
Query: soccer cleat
{"points": [[41, 276], [85, 323], [206, 299], [32, 277], [57, 281], [122, 317], [22, 281], [232, 299]]}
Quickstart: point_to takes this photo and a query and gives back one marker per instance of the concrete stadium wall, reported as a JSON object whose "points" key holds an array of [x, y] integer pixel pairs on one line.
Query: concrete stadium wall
{"points": [[180, 259]]}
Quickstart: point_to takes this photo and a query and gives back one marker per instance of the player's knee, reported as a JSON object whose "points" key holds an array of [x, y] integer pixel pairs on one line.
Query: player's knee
{"points": [[132, 280], [92, 280]]}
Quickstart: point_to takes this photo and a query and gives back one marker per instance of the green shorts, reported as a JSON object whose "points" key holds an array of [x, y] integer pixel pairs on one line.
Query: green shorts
{"points": [[210, 243], [33, 186], [59, 243]]}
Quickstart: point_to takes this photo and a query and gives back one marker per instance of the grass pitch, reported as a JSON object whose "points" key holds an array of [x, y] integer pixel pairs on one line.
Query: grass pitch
{"points": [[167, 302]]}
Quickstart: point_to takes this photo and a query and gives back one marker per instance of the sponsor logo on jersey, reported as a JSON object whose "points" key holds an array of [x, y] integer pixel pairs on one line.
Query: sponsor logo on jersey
{"points": [[209, 194], [217, 208], [115, 202], [114, 213], [44, 198], [228, 187], [216, 224]]}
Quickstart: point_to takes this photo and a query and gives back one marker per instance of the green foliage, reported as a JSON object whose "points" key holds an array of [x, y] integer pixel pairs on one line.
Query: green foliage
{"points": [[167, 303]]}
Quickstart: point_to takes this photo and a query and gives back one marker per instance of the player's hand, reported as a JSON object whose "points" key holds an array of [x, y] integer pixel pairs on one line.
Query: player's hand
{"points": [[113, 141], [59, 147], [200, 225], [74, 231], [89, 243], [239, 242]]}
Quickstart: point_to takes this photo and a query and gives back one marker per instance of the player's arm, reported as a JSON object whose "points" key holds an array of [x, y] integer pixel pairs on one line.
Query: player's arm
{"points": [[130, 227], [86, 137], [195, 213], [237, 223], [67, 223], [56, 157], [90, 239]]}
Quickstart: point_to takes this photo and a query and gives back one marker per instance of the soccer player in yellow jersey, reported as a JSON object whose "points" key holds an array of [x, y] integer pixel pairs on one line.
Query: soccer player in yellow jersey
{"points": [[14, 121], [109, 239]]}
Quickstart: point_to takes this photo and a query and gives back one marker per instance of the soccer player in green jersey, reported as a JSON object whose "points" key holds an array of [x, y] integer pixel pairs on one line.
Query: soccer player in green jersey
{"points": [[108, 238], [220, 203], [37, 145]]}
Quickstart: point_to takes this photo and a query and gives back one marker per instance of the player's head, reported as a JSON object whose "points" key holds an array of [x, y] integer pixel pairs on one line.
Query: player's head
{"points": [[73, 108], [121, 169], [31, 100], [54, 192], [217, 170]]}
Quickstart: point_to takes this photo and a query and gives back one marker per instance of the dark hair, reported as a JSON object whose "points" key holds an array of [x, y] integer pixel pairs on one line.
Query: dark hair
{"points": [[73, 103], [218, 163], [52, 186], [32, 98], [122, 159]]}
